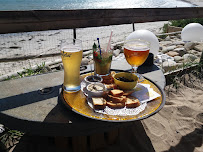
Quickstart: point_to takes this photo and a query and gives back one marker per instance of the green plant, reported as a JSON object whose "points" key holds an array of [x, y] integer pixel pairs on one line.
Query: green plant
{"points": [[9, 139], [29, 72], [182, 23], [164, 30], [190, 72]]}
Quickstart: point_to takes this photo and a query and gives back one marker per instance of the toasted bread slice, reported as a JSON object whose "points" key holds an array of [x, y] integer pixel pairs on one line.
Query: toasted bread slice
{"points": [[111, 86], [113, 73], [128, 92], [117, 99], [132, 102], [107, 79], [99, 103], [116, 92], [113, 105]]}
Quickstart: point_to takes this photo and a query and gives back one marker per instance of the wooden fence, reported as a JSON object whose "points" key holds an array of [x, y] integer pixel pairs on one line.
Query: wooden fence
{"points": [[39, 20]]}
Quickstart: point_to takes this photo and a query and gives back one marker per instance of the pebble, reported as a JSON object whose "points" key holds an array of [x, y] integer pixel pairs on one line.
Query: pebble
{"points": [[169, 48], [116, 52], [169, 65], [164, 57], [178, 58], [165, 43], [194, 52], [189, 57], [199, 54], [1, 128], [179, 43], [189, 45], [199, 47], [180, 51], [85, 61], [167, 38], [87, 53], [172, 53]]}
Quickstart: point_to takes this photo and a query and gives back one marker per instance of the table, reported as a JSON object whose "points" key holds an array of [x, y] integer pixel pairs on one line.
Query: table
{"points": [[24, 108]]}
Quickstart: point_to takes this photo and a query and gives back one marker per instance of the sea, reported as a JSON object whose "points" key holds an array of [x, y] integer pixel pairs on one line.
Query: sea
{"points": [[12, 5]]}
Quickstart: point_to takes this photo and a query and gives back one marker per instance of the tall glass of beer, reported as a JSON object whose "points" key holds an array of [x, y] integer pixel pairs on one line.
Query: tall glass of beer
{"points": [[136, 52], [71, 54]]}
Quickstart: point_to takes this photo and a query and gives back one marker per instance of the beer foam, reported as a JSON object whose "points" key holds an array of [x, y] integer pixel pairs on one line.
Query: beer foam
{"points": [[72, 49], [137, 46]]}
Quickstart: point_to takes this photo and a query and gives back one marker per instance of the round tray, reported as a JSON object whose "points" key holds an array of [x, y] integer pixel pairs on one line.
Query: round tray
{"points": [[77, 103]]}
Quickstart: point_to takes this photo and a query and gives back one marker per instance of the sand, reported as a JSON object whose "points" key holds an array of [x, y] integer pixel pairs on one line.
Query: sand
{"points": [[178, 127]]}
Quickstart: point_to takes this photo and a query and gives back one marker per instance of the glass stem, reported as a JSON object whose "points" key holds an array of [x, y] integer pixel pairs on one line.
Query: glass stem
{"points": [[134, 69]]}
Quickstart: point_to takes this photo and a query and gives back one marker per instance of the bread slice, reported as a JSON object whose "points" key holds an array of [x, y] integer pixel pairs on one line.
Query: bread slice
{"points": [[117, 99], [128, 92], [107, 79], [99, 103], [116, 92], [113, 105], [111, 86], [132, 102]]}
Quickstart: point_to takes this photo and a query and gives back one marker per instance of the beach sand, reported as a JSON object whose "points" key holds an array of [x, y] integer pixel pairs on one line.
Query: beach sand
{"points": [[178, 127]]}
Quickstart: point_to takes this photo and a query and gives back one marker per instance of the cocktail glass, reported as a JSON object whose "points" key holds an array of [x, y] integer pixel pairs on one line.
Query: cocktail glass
{"points": [[102, 59]]}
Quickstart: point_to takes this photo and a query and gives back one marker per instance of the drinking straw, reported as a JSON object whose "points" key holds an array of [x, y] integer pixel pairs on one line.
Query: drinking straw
{"points": [[99, 46], [108, 46]]}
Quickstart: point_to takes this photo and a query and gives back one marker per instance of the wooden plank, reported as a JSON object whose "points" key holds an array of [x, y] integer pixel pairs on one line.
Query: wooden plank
{"points": [[97, 142], [112, 136], [25, 21], [62, 143], [79, 144]]}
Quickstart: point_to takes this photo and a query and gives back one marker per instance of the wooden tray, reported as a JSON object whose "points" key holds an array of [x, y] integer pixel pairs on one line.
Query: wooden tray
{"points": [[77, 103]]}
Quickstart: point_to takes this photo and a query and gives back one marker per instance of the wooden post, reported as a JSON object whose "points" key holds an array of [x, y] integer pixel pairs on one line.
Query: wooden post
{"points": [[74, 33], [133, 26]]}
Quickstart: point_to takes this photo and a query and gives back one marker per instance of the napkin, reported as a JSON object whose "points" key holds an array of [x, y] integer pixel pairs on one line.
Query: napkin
{"points": [[143, 93]]}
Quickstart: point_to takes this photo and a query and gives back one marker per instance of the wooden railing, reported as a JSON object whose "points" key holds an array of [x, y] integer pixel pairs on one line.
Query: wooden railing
{"points": [[39, 20]]}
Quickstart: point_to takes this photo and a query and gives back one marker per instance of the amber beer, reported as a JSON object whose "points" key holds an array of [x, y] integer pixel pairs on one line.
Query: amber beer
{"points": [[71, 55], [136, 54]]}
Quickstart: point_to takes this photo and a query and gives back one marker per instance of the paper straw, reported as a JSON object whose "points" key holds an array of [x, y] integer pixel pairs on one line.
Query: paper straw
{"points": [[108, 46]]}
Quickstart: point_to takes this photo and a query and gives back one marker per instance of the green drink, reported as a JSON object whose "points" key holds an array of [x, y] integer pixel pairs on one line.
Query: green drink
{"points": [[102, 60]]}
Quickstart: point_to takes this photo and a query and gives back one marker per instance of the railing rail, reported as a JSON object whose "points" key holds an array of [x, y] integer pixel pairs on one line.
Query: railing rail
{"points": [[41, 20]]}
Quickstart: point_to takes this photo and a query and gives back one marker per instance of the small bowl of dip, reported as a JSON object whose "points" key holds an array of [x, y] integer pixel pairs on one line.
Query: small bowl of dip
{"points": [[93, 79], [125, 80], [96, 89]]}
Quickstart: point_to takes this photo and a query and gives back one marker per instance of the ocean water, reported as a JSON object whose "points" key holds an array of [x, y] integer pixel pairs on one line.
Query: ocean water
{"points": [[88, 4]]}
